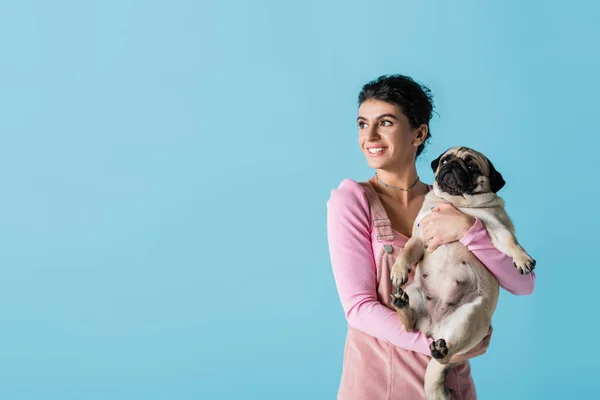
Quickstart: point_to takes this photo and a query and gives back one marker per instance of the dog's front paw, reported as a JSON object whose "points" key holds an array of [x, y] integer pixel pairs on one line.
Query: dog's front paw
{"points": [[399, 298], [439, 349], [399, 274], [523, 262]]}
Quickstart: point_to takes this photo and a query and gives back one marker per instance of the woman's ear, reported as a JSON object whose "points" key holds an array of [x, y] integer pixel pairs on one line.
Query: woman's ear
{"points": [[422, 133]]}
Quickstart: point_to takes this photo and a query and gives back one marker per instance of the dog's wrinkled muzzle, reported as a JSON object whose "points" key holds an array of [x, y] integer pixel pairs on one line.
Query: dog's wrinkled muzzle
{"points": [[454, 179]]}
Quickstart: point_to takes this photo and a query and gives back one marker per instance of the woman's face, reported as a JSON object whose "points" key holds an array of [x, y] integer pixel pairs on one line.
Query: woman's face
{"points": [[385, 135]]}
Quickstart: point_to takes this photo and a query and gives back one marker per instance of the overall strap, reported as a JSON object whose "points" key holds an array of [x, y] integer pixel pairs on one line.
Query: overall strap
{"points": [[379, 217]]}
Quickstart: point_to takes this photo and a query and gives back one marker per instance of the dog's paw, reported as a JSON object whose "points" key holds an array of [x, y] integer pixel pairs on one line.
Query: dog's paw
{"points": [[524, 263], [399, 298], [399, 274], [438, 349]]}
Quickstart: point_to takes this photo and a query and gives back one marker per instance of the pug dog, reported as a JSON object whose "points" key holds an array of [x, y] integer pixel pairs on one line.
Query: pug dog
{"points": [[453, 295]]}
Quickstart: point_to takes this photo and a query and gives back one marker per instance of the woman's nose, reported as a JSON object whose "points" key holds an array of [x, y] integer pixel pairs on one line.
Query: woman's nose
{"points": [[372, 133]]}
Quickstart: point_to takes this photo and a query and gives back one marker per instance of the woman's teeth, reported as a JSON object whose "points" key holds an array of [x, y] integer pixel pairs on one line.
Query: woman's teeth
{"points": [[376, 150]]}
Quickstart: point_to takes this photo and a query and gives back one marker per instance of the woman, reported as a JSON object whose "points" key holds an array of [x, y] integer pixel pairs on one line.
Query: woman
{"points": [[382, 360]]}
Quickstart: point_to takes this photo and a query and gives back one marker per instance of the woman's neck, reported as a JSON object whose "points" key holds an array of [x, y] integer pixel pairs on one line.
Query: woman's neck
{"points": [[403, 179]]}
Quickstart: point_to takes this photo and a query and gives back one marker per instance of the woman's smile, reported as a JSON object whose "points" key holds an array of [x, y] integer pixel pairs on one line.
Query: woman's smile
{"points": [[376, 151]]}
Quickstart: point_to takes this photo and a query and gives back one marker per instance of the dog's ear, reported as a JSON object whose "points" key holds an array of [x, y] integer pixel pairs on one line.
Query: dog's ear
{"points": [[496, 180], [436, 162]]}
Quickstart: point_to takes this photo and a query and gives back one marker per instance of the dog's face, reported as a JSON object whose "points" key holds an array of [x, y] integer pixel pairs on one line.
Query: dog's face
{"points": [[461, 170]]}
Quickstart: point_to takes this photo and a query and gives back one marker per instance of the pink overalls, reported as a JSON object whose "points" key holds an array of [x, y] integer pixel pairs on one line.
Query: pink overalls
{"points": [[374, 369]]}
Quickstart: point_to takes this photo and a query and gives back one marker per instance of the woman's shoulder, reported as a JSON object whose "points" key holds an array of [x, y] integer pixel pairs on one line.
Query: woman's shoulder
{"points": [[348, 187], [349, 193], [349, 184]]}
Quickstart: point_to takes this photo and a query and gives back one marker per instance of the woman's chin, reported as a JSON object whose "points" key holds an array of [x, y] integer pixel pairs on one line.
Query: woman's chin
{"points": [[375, 164]]}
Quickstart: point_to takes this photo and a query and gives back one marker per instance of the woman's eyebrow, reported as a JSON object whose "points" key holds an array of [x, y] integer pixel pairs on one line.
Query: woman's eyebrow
{"points": [[379, 117]]}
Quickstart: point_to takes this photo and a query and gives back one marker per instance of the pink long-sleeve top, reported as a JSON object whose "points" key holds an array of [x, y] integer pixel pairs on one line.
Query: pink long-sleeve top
{"points": [[354, 269]]}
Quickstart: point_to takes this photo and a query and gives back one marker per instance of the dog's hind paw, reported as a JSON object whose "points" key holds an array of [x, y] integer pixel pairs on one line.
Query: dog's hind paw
{"points": [[439, 349], [399, 298]]}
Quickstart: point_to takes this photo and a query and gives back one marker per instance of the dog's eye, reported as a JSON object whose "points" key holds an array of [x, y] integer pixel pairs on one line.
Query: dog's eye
{"points": [[450, 304], [471, 167], [428, 298]]}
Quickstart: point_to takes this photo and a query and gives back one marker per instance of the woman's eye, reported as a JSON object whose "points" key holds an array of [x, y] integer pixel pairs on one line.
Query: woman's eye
{"points": [[361, 125], [386, 122]]}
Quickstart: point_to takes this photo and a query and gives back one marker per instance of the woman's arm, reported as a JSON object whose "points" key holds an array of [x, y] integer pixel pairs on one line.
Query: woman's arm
{"points": [[479, 242], [354, 269]]}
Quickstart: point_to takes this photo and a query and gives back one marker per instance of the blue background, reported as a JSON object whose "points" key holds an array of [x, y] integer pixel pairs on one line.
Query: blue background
{"points": [[165, 168]]}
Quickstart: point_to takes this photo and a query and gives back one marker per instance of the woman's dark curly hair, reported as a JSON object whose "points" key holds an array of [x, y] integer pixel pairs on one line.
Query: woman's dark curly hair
{"points": [[415, 100]]}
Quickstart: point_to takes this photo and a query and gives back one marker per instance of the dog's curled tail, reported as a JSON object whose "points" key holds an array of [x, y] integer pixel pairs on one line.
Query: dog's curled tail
{"points": [[435, 376]]}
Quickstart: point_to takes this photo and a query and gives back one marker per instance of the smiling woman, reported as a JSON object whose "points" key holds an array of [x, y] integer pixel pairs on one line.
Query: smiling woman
{"points": [[368, 225]]}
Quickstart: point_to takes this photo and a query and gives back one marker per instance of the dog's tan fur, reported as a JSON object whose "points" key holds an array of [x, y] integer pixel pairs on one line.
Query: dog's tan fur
{"points": [[453, 296]]}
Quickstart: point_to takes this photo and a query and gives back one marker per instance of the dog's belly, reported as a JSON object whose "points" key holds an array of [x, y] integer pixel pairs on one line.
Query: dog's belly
{"points": [[449, 277]]}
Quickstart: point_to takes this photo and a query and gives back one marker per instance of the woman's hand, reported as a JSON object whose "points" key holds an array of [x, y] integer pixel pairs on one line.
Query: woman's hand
{"points": [[475, 351], [445, 224]]}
